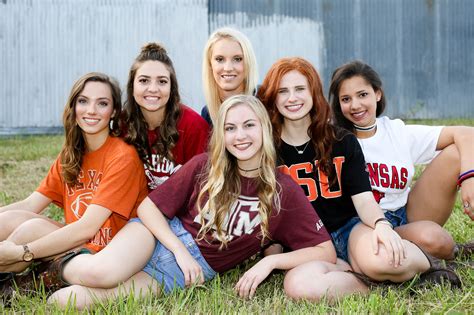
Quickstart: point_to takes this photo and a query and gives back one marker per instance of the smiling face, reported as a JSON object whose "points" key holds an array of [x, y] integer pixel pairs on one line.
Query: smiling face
{"points": [[228, 70], [294, 100], [94, 109], [151, 89], [243, 136], [358, 101]]}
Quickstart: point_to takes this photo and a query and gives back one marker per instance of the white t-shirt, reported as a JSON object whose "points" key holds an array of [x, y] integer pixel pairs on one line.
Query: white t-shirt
{"points": [[391, 155]]}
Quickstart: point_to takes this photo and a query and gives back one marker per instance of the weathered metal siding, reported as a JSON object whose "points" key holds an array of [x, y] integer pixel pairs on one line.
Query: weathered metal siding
{"points": [[46, 45], [421, 48]]}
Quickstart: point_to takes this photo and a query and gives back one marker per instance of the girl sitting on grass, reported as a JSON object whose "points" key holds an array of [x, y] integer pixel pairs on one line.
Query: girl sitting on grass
{"points": [[218, 210], [97, 179], [166, 134], [392, 149], [328, 163]]}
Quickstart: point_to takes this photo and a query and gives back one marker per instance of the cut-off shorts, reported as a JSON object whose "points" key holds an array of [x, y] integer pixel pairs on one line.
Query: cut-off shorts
{"points": [[340, 237], [162, 265]]}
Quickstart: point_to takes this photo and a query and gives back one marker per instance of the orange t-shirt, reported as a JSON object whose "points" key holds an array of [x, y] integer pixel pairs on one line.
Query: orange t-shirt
{"points": [[111, 177]]}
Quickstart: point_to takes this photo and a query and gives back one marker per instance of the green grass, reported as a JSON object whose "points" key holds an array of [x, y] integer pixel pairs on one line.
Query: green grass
{"points": [[24, 161]]}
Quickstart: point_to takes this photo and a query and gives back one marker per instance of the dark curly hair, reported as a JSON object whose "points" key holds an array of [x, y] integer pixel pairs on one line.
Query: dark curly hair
{"points": [[134, 125]]}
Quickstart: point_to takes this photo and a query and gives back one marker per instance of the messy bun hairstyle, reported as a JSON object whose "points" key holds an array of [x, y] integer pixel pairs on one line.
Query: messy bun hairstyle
{"points": [[134, 124]]}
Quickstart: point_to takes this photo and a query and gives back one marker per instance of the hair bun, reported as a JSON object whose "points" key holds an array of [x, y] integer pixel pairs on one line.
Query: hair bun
{"points": [[153, 47]]}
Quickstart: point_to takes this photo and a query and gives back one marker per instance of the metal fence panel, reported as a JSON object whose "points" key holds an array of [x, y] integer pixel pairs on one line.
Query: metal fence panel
{"points": [[421, 48]]}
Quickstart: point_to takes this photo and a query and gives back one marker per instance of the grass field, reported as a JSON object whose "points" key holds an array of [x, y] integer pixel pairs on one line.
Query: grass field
{"points": [[24, 161]]}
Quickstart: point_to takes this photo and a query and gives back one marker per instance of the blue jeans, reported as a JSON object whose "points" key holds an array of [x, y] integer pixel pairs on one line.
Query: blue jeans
{"points": [[340, 237], [162, 265]]}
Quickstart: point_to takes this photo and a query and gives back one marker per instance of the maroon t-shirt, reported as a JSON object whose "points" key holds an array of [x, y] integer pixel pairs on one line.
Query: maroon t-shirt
{"points": [[193, 138], [295, 226]]}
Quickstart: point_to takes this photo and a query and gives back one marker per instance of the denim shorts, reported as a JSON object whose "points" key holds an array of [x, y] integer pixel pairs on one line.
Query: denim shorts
{"points": [[340, 237], [163, 267]]}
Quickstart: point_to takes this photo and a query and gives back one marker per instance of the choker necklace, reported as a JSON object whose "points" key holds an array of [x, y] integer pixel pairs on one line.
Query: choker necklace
{"points": [[368, 128], [250, 170], [301, 151]]}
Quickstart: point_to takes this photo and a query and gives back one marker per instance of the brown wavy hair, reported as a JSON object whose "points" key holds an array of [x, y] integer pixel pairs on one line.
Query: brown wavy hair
{"points": [[74, 146], [354, 68], [133, 122], [321, 132]]}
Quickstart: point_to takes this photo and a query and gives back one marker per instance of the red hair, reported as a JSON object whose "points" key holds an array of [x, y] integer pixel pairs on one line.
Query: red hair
{"points": [[321, 131]]}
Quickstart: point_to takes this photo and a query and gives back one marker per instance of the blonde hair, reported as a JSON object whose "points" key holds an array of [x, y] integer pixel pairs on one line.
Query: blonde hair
{"points": [[223, 181], [211, 89]]}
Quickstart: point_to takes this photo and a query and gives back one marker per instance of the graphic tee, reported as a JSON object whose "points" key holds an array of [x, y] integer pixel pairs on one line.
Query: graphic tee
{"points": [[111, 177], [193, 140], [295, 226], [332, 203], [391, 155]]}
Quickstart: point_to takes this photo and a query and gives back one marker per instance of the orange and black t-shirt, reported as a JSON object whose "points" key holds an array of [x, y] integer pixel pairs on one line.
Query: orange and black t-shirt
{"points": [[111, 177]]}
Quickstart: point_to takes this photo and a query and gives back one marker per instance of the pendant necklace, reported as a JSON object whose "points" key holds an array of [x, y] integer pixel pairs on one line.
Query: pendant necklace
{"points": [[304, 149]]}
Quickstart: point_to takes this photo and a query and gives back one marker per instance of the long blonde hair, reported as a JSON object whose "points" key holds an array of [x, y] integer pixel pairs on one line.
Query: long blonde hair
{"points": [[211, 89], [223, 182]]}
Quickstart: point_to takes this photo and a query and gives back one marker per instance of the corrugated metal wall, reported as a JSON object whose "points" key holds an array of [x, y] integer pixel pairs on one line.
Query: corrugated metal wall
{"points": [[46, 45], [422, 48]]}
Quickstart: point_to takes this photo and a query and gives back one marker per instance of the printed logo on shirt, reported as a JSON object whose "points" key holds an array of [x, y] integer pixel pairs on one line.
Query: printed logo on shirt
{"points": [[378, 195], [382, 175], [302, 174], [91, 182], [159, 172], [102, 237], [80, 204], [319, 225], [242, 219]]}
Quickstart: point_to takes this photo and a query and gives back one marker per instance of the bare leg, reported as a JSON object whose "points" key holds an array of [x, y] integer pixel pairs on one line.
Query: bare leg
{"points": [[434, 193], [317, 280], [430, 236], [124, 256], [12, 219], [377, 267], [28, 231], [140, 285]]}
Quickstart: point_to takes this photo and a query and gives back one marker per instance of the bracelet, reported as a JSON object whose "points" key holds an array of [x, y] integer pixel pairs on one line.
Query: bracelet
{"points": [[465, 173], [465, 176], [387, 223], [383, 220]]}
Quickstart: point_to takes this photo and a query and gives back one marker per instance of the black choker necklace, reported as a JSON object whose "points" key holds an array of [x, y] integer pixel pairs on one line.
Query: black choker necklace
{"points": [[250, 170], [368, 128]]}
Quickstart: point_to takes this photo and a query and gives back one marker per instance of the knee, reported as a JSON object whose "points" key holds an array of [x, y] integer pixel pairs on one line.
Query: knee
{"points": [[437, 242], [97, 275], [26, 231], [69, 298], [9, 221], [452, 153], [296, 286]]}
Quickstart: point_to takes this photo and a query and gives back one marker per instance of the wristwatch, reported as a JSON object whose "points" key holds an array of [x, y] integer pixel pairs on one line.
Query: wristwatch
{"points": [[27, 255]]}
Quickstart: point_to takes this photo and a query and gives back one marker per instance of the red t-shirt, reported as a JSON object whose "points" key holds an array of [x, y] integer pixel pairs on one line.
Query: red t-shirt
{"points": [[295, 226], [111, 177], [193, 139]]}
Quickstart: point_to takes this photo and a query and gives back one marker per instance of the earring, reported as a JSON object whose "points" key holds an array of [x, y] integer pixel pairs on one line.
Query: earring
{"points": [[111, 124]]}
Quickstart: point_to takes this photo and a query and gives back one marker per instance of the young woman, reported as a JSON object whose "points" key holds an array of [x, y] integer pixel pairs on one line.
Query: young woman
{"points": [[97, 179], [229, 67], [392, 149], [166, 134], [220, 209], [329, 165]]}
